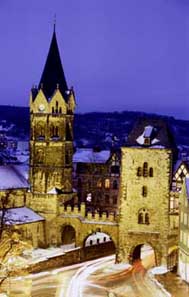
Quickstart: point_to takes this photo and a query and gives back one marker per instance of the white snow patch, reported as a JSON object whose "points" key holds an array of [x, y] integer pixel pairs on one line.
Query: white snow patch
{"points": [[13, 177], [21, 215], [89, 156], [159, 270]]}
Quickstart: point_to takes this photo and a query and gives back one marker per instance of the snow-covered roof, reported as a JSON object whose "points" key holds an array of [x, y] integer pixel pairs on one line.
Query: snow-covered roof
{"points": [[88, 155], [13, 177], [21, 215], [147, 133]]}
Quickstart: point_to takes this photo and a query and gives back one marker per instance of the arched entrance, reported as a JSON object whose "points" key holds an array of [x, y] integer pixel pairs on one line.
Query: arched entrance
{"points": [[68, 235], [145, 253], [98, 244]]}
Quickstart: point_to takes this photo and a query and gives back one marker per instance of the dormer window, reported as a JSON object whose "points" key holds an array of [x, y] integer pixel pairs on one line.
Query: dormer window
{"points": [[147, 141]]}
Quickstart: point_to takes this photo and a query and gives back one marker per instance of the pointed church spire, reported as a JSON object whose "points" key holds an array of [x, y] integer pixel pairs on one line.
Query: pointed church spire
{"points": [[53, 73]]}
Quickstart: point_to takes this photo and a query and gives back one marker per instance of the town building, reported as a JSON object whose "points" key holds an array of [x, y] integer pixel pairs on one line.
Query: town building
{"points": [[134, 202], [183, 266], [146, 180], [96, 178]]}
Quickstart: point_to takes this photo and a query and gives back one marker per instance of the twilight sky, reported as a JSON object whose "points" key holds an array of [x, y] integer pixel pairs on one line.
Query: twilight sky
{"points": [[118, 54]]}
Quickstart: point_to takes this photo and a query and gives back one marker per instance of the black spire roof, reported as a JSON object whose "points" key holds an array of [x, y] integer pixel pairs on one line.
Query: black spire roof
{"points": [[53, 74]]}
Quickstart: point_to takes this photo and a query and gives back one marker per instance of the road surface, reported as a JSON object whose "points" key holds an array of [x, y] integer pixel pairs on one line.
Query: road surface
{"points": [[96, 278]]}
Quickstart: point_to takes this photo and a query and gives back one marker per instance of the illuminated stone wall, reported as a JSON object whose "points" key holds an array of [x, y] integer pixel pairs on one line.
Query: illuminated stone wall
{"points": [[144, 202]]}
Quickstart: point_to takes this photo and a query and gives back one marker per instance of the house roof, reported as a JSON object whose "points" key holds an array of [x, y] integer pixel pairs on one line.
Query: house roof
{"points": [[21, 215], [13, 177], [155, 130], [87, 155], [53, 73]]}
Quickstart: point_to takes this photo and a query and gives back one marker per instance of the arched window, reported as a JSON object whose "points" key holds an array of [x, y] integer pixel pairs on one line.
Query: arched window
{"points": [[145, 169], [143, 216], [144, 191], [40, 130], [147, 219], [140, 218], [40, 156], [56, 106], [99, 183], [151, 172], [68, 132], [107, 183], [139, 171], [52, 109], [115, 185], [56, 131], [60, 110]]}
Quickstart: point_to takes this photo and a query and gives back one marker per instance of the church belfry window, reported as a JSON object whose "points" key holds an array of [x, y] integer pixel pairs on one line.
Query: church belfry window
{"points": [[145, 169], [56, 106]]}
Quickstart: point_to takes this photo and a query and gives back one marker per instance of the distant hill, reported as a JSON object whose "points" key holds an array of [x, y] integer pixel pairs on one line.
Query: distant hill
{"points": [[96, 128]]}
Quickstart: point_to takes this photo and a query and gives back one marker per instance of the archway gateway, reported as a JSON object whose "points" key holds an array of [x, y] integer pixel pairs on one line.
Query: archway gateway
{"points": [[98, 244], [144, 253], [68, 235]]}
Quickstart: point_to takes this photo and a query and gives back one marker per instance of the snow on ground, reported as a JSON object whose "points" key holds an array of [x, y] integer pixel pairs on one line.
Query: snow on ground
{"points": [[159, 270], [97, 237]]}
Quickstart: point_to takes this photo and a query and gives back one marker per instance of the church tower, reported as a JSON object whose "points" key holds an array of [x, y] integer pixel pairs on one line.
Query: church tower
{"points": [[52, 106]]}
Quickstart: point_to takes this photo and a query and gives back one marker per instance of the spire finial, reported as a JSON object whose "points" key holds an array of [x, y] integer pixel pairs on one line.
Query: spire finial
{"points": [[54, 22]]}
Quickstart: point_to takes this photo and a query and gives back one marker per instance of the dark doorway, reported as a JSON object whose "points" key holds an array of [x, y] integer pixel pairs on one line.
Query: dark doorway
{"points": [[68, 235]]}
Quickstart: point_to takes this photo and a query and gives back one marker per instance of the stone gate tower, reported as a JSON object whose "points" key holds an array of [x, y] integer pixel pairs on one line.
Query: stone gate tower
{"points": [[52, 106], [145, 192]]}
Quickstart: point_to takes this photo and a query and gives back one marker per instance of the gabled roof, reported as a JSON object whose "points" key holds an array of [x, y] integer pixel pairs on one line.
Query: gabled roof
{"points": [[53, 73], [156, 130], [21, 215], [13, 177]]}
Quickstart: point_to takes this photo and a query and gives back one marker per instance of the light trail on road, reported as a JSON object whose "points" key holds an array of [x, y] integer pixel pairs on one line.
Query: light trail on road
{"points": [[77, 282]]}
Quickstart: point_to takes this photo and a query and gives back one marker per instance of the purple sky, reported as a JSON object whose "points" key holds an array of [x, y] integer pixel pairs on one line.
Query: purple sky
{"points": [[118, 54]]}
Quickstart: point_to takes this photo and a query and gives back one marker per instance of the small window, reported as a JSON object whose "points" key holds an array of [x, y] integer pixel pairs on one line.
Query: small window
{"points": [[139, 171], [151, 173], [143, 217], [115, 169], [144, 191], [145, 169], [52, 109], [114, 199], [99, 183], [115, 185], [107, 183], [147, 141], [107, 199], [60, 110]]}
